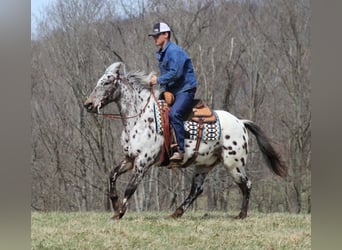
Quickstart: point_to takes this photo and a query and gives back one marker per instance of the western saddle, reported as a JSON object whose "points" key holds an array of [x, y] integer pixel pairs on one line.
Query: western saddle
{"points": [[200, 114]]}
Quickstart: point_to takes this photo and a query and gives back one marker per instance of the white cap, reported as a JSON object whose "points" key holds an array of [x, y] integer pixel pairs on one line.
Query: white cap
{"points": [[159, 28]]}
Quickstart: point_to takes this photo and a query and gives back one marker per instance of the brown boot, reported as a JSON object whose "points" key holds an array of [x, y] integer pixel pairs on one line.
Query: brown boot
{"points": [[177, 156]]}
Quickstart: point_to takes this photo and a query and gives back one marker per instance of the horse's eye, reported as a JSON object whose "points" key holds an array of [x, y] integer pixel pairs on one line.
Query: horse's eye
{"points": [[106, 83]]}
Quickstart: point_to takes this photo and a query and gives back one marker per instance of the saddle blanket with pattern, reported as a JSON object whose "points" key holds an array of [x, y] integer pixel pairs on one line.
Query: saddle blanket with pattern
{"points": [[211, 131]]}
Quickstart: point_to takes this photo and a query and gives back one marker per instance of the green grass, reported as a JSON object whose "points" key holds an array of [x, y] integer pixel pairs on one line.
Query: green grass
{"points": [[154, 230]]}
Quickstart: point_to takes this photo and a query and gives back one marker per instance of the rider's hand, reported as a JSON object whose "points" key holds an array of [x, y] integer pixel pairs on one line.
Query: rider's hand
{"points": [[153, 80]]}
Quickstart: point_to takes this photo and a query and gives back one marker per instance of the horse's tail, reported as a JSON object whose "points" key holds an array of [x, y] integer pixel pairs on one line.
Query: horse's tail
{"points": [[271, 156]]}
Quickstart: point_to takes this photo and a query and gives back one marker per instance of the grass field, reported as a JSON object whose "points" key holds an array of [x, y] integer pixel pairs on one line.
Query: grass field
{"points": [[154, 230]]}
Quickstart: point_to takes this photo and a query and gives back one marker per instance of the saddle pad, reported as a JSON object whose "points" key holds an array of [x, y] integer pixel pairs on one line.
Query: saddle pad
{"points": [[158, 116], [211, 131]]}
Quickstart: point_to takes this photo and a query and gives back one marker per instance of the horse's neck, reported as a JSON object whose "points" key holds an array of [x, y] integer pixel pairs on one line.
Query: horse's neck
{"points": [[133, 103]]}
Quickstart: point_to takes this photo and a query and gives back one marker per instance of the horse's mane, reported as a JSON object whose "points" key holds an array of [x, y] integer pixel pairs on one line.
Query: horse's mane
{"points": [[140, 78], [137, 77]]}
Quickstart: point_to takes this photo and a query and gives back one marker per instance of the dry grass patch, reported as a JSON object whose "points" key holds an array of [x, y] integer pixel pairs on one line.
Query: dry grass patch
{"points": [[154, 230]]}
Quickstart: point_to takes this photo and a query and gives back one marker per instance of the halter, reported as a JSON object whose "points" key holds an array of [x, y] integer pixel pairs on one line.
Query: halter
{"points": [[120, 116]]}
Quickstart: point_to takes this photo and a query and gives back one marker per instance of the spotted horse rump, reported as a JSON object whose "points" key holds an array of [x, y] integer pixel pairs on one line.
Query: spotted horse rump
{"points": [[225, 140]]}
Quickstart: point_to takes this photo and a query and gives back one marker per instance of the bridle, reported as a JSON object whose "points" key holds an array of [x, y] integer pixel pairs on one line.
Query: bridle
{"points": [[120, 116]]}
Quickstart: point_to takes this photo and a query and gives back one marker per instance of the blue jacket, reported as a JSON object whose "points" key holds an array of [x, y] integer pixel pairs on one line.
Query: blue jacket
{"points": [[176, 71]]}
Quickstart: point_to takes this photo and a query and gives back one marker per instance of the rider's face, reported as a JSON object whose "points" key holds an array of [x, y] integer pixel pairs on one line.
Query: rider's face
{"points": [[161, 39]]}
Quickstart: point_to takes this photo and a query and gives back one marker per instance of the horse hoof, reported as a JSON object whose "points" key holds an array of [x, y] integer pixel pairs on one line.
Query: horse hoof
{"points": [[117, 216], [241, 216], [178, 213], [173, 216]]}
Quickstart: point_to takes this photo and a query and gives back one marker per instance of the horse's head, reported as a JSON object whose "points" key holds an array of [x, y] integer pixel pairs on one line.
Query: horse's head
{"points": [[106, 89]]}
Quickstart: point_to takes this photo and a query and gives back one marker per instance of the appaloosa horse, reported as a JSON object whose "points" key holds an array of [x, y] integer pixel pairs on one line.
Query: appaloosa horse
{"points": [[142, 143]]}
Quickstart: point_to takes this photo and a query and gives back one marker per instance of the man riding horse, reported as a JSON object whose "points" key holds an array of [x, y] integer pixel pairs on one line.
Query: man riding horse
{"points": [[178, 77]]}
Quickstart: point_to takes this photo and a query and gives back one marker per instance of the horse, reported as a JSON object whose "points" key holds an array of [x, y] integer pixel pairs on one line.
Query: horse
{"points": [[142, 143]]}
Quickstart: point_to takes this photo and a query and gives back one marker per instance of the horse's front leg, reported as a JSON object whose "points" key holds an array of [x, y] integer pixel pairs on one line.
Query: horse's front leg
{"points": [[124, 166], [139, 171]]}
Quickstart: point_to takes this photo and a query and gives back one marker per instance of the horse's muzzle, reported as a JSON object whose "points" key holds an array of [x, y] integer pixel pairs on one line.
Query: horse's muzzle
{"points": [[89, 106]]}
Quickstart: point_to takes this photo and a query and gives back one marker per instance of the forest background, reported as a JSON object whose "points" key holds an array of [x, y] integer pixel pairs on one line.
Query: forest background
{"points": [[252, 58]]}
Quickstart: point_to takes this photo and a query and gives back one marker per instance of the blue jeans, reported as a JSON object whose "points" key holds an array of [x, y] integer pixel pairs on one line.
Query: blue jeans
{"points": [[180, 108]]}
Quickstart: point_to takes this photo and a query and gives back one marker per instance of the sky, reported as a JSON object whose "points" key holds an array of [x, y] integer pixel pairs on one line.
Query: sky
{"points": [[37, 8]]}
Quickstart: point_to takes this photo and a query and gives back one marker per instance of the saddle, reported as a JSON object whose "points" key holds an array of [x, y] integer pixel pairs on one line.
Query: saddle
{"points": [[200, 111], [200, 114]]}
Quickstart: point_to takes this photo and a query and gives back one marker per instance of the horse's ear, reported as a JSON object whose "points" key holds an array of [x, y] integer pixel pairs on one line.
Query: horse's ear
{"points": [[118, 68], [115, 68]]}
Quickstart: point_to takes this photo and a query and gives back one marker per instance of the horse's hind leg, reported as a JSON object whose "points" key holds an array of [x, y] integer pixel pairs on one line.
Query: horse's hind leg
{"points": [[245, 185], [124, 166], [196, 189], [245, 188]]}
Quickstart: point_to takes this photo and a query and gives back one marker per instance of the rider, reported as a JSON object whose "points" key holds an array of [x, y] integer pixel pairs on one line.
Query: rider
{"points": [[177, 76]]}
